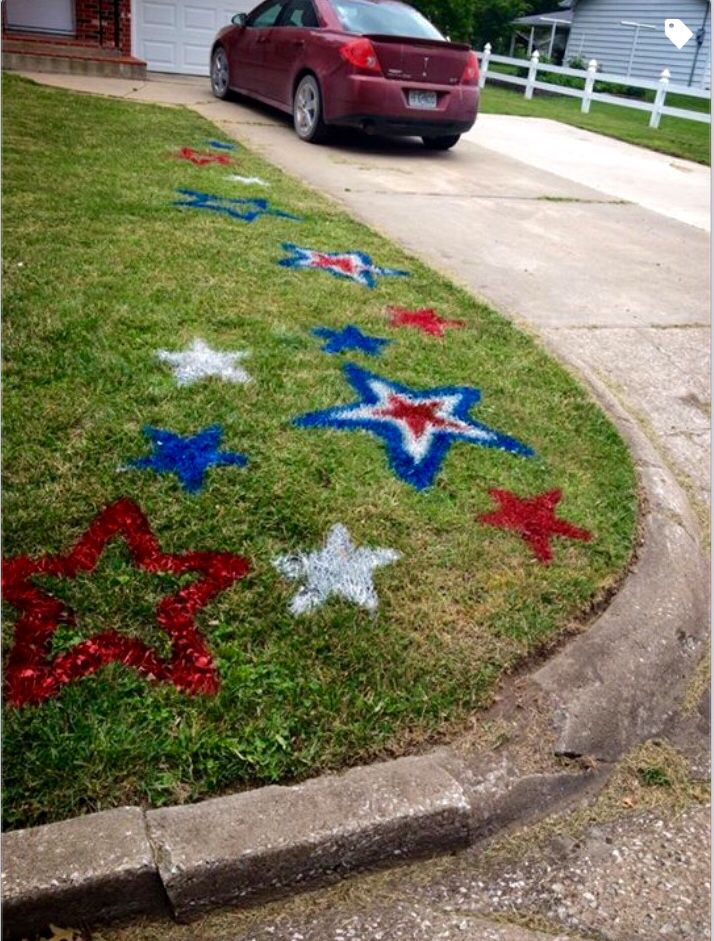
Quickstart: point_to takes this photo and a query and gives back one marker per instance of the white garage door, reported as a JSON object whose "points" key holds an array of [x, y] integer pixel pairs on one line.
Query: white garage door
{"points": [[176, 35]]}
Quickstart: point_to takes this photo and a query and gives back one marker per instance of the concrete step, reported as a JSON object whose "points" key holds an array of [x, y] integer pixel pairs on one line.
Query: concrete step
{"points": [[106, 66], [31, 45]]}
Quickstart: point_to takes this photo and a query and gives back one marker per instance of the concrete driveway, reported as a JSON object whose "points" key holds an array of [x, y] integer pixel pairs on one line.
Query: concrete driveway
{"points": [[599, 247]]}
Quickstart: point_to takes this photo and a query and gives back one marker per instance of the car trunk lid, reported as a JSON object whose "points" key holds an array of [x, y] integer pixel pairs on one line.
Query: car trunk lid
{"points": [[427, 61]]}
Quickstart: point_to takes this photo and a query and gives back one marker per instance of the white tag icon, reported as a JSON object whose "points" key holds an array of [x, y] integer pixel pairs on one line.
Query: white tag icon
{"points": [[677, 32]]}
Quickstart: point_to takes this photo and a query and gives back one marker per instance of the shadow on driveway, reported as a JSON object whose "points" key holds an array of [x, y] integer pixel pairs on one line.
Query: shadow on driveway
{"points": [[349, 140]]}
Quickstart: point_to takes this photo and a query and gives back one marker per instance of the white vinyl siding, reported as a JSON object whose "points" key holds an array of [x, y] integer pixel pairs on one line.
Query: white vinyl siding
{"points": [[597, 33]]}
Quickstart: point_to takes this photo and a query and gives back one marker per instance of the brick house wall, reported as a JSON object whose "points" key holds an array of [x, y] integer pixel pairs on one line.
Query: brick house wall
{"points": [[87, 13]]}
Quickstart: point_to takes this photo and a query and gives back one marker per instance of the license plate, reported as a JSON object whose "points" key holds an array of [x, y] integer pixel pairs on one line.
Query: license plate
{"points": [[422, 99]]}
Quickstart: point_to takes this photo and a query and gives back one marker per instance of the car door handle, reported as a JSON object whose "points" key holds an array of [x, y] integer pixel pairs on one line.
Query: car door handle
{"points": [[299, 43], [263, 39]]}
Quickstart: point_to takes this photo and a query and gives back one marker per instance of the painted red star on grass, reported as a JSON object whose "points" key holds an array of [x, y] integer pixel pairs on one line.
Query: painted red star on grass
{"points": [[534, 518], [203, 159], [31, 675], [421, 418], [426, 319]]}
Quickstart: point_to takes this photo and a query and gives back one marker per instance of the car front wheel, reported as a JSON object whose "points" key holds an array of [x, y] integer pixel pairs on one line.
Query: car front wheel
{"points": [[219, 73], [307, 111], [441, 143]]}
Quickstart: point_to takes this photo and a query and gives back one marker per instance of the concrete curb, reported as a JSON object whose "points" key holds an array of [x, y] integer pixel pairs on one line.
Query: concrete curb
{"points": [[78, 868], [622, 681], [236, 848], [608, 689]]}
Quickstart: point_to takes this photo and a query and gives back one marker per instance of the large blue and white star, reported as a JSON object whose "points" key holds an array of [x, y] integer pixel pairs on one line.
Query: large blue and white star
{"points": [[188, 457], [353, 266], [418, 426]]}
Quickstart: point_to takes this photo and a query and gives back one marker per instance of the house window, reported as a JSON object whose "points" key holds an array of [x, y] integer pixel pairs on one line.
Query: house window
{"points": [[41, 16]]}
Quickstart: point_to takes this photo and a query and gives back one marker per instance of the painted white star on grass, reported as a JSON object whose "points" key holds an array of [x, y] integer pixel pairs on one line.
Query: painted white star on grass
{"points": [[339, 568], [247, 180], [199, 361]]}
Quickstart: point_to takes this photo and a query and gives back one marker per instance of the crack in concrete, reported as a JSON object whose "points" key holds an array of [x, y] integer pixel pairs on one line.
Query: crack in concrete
{"points": [[589, 328], [490, 196], [691, 435]]}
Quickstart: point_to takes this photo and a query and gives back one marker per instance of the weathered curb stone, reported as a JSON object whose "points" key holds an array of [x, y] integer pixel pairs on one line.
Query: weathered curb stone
{"points": [[96, 867], [622, 681], [614, 689], [231, 849]]}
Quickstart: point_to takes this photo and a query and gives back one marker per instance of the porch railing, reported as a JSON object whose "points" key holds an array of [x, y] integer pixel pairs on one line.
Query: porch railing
{"points": [[110, 23]]}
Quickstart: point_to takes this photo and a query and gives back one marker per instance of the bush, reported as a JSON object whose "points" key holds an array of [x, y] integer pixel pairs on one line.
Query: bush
{"points": [[572, 81]]}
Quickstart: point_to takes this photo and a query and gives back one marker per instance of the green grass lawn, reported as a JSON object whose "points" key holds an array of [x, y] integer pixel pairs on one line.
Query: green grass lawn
{"points": [[100, 272], [687, 139]]}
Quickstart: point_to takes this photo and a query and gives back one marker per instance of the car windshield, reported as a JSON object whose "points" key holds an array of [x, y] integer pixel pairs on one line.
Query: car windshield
{"points": [[386, 19]]}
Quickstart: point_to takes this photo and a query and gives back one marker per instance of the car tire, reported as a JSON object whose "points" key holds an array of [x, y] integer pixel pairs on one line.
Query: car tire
{"points": [[307, 111], [441, 143], [220, 74]]}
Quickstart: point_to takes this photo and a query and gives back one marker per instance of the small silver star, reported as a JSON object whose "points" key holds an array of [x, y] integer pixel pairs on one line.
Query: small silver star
{"points": [[199, 361], [339, 568]]}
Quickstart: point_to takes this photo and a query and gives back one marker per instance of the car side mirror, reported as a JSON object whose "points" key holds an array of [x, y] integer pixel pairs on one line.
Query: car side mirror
{"points": [[239, 19]]}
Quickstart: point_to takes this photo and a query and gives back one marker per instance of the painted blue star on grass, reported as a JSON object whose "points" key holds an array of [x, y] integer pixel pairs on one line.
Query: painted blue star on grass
{"points": [[349, 338], [246, 209], [220, 145], [418, 426], [188, 457]]}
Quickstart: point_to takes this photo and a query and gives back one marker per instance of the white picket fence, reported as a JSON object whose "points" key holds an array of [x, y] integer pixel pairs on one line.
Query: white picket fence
{"points": [[588, 93]]}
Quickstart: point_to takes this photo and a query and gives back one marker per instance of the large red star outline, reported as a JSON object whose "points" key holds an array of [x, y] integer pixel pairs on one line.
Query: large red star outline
{"points": [[426, 319], [31, 675], [201, 160], [534, 519]]}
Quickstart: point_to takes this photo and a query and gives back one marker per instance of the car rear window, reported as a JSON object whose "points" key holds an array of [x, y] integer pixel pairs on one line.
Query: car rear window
{"points": [[386, 19]]}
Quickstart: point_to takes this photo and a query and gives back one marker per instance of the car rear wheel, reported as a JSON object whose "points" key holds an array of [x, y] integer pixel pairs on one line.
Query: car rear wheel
{"points": [[307, 111], [441, 143], [219, 73]]}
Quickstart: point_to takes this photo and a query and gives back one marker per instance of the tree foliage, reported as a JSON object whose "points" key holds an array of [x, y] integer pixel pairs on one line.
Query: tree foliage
{"points": [[480, 21], [455, 18]]}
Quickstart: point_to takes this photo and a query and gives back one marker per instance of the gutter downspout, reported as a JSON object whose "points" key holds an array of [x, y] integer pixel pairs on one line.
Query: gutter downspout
{"points": [[701, 34]]}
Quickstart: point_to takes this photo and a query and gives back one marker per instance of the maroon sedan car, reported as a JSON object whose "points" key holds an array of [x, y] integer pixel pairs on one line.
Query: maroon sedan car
{"points": [[378, 65]]}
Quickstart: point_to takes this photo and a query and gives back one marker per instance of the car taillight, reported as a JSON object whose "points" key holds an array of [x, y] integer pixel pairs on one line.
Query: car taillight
{"points": [[470, 76], [361, 54]]}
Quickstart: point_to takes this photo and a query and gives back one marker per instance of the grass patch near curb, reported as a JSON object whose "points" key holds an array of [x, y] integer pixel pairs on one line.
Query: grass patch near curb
{"points": [[100, 271], [689, 140]]}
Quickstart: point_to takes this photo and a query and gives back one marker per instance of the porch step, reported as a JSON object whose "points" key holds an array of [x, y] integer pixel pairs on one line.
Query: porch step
{"points": [[33, 55], [55, 47]]}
